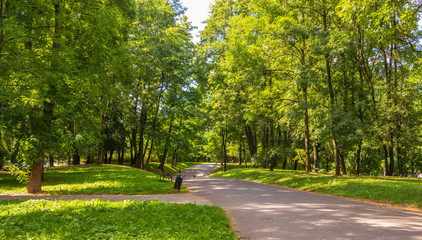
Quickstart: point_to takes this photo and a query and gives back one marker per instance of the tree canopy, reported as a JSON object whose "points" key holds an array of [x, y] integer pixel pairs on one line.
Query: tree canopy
{"points": [[319, 85], [337, 81]]}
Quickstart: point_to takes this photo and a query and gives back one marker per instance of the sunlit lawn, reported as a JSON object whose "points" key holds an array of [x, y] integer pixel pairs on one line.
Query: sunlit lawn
{"points": [[99, 219], [407, 191], [105, 179]]}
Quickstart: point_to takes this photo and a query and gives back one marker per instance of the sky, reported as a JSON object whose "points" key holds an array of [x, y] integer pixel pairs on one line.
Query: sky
{"points": [[198, 11]]}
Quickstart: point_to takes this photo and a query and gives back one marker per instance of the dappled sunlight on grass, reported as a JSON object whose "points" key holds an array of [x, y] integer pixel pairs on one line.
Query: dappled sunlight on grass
{"points": [[389, 190], [105, 179]]}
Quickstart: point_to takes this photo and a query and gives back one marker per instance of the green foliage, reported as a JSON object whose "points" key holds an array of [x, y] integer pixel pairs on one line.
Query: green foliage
{"points": [[268, 159], [21, 173], [401, 191], [107, 179], [76, 78], [90, 78], [98, 219], [341, 78]]}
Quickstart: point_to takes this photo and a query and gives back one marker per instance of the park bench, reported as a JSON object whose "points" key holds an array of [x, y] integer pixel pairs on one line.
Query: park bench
{"points": [[165, 175]]}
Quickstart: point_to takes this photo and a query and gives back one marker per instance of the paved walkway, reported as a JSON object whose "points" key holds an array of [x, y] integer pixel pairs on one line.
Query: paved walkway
{"points": [[262, 211]]}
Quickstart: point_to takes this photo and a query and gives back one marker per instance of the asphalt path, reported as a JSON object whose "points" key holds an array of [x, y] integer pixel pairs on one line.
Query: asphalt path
{"points": [[261, 211]]}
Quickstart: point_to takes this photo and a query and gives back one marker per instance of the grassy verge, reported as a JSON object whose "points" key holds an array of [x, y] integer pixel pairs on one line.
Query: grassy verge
{"points": [[403, 191], [105, 179], [98, 219], [230, 166]]}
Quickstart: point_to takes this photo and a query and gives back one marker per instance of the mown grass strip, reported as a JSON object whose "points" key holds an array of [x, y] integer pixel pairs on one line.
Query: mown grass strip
{"points": [[99, 219], [403, 191], [105, 179]]}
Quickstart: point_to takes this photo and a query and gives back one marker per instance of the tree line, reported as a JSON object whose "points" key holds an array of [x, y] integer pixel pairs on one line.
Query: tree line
{"points": [[319, 85], [86, 79]]}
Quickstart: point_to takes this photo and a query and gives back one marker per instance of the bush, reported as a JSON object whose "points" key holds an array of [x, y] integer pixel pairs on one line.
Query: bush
{"points": [[268, 159]]}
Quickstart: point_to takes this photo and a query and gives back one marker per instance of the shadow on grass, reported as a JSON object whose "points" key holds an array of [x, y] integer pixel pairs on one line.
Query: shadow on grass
{"points": [[106, 179]]}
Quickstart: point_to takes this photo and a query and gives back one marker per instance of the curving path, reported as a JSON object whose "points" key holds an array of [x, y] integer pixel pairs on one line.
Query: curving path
{"points": [[262, 211]]}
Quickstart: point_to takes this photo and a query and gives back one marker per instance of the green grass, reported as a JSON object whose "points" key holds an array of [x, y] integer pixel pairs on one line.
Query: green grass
{"points": [[403, 191], [105, 179], [99, 219], [229, 166]]}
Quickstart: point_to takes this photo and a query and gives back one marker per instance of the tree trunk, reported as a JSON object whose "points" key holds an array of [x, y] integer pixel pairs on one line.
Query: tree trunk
{"points": [[265, 138], [272, 141], [284, 165], [240, 151], [250, 140], [285, 145], [154, 124], [345, 104], [390, 136], [360, 111], [386, 173], [146, 148], [76, 157], [167, 144], [336, 157], [244, 153], [51, 160], [34, 185], [101, 151], [255, 141], [306, 126], [133, 149], [110, 157], [332, 99], [174, 157], [391, 157], [122, 157], [315, 145], [364, 70], [149, 154], [88, 159], [342, 163], [358, 151], [130, 148], [105, 160], [224, 148], [142, 123], [35, 177], [118, 157], [399, 162]]}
